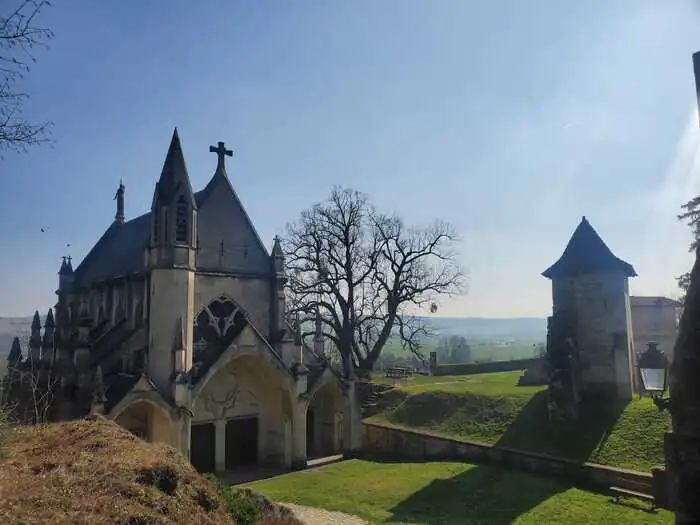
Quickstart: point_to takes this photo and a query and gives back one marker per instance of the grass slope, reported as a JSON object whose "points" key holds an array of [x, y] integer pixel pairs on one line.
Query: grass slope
{"points": [[493, 409], [449, 493]]}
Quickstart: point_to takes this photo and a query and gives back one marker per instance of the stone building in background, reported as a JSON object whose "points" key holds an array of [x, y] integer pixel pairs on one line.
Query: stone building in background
{"points": [[175, 326]]}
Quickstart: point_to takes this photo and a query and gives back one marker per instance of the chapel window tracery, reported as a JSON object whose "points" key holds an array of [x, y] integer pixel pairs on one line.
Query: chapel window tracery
{"points": [[216, 327]]}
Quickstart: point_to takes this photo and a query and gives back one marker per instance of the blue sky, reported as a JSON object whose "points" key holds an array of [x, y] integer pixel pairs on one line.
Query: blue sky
{"points": [[510, 119]]}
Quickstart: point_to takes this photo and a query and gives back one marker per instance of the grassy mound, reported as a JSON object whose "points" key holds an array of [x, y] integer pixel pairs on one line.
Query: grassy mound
{"points": [[97, 472], [626, 436]]}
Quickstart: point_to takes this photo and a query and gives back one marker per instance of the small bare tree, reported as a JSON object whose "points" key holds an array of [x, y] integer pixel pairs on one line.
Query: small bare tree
{"points": [[19, 37], [365, 272], [29, 392]]}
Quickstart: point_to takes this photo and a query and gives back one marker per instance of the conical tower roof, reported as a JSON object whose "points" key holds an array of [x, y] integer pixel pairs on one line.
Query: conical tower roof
{"points": [[174, 175], [585, 254]]}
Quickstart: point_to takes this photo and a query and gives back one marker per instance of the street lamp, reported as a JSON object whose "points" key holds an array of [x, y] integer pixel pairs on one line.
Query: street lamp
{"points": [[653, 370]]}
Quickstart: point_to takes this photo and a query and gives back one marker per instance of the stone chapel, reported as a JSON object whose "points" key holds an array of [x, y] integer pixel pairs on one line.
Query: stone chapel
{"points": [[174, 325]]}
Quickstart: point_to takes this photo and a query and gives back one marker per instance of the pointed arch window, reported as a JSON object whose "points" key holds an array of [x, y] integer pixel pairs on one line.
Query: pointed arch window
{"points": [[216, 327], [181, 222]]}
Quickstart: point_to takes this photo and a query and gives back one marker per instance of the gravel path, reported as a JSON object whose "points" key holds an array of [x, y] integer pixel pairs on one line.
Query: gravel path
{"points": [[314, 516]]}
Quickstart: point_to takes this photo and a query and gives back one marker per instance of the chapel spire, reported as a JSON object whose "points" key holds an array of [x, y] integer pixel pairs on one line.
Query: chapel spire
{"points": [[174, 208], [174, 180]]}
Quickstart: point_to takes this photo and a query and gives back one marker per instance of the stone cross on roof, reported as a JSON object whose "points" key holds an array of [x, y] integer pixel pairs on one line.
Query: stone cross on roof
{"points": [[221, 153]]}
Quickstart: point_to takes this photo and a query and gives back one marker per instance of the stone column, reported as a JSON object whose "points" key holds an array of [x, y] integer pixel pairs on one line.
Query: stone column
{"points": [[299, 436], [220, 446], [185, 434], [352, 422]]}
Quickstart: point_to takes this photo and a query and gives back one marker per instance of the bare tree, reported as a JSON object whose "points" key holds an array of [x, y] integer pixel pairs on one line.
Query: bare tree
{"points": [[30, 387], [19, 37], [364, 272]]}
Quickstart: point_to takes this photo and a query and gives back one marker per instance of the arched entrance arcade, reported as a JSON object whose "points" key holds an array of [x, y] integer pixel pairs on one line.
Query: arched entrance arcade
{"points": [[242, 414]]}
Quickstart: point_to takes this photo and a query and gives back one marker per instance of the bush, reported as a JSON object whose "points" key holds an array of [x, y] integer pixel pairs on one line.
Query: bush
{"points": [[248, 507]]}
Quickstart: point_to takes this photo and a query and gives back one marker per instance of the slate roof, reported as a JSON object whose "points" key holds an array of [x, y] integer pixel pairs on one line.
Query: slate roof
{"points": [[586, 253], [120, 250]]}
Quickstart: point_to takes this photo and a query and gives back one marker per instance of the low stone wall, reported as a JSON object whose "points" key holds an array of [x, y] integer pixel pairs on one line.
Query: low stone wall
{"points": [[387, 440], [484, 368]]}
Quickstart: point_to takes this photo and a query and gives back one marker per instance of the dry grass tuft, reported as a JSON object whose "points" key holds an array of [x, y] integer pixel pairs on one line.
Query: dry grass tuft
{"points": [[93, 471]]}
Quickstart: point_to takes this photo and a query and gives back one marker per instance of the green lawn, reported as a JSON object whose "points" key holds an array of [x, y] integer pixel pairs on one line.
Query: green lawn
{"points": [[449, 493], [493, 409]]}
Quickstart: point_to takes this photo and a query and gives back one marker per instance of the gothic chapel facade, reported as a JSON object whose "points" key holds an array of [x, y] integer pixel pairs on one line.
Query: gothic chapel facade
{"points": [[174, 326]]}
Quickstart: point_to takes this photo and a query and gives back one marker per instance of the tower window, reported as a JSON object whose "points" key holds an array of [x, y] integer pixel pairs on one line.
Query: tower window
{"points": [[181, 220]]}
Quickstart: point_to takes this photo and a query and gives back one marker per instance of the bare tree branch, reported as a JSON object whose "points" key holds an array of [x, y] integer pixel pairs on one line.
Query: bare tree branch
{"points": [[19, 38], [364, 272]]}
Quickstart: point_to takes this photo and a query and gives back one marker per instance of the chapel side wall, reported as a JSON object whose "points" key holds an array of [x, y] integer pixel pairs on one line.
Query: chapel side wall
{"points": [[253, 295]]}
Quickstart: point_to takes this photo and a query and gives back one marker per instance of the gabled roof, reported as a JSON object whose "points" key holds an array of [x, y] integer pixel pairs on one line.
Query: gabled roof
{"points": [[120, 250], [586, 253]]}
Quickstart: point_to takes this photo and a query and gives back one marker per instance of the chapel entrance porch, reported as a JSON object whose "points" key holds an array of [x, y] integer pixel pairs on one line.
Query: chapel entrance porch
{"points": [[231, 443], [242, 415]]}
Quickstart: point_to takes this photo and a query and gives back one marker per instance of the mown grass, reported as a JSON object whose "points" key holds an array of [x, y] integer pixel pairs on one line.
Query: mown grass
{"points": [[449, 493], [493, 409]]}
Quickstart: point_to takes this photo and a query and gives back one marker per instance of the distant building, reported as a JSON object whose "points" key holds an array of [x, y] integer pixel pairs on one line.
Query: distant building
{"points": [[655, 319]]}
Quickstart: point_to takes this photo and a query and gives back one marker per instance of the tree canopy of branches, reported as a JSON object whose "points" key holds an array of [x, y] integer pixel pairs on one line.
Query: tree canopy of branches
{"points": [[363, 272], [453, 350], [691, 215], [19, 37]]}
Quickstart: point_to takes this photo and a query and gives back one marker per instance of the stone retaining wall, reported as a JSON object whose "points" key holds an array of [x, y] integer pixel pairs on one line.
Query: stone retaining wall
{"points": [[484, 368], [401, 443]]}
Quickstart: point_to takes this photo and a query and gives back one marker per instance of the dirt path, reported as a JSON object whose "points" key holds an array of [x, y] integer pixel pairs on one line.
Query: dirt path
{"points": [[314, 516]]}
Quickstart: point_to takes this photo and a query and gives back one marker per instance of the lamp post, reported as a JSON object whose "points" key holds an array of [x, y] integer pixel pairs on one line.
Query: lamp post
{"points": [[653, 371]]}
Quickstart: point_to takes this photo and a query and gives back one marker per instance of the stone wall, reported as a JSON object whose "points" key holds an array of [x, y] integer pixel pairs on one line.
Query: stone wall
{"points": [[484, 368], [392, 441]]}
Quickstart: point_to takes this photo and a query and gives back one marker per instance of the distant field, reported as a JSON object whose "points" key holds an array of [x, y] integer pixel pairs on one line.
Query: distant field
{"points": [[481, 350]]}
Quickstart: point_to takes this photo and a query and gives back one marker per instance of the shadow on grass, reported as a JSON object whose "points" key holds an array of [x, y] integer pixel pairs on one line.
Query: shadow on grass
{"points": [[497, 495]]}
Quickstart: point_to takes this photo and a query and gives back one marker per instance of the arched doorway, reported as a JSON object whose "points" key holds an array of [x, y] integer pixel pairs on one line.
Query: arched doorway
{"points": [[324, 421], [148, 421], [242, 415]]}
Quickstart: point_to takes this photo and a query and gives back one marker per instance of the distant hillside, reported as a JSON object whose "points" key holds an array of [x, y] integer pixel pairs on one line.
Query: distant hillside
{"points": [[521, 329], [524, 329], [11, 327]]}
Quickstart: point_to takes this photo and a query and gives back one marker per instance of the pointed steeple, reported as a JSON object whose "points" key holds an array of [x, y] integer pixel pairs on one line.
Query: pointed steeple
{"points": [[36, 322], [277, 257], [174, 180], [587, 253], [15, 354], [173, 209], [69, 265], [50, 323]]}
